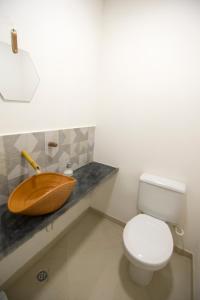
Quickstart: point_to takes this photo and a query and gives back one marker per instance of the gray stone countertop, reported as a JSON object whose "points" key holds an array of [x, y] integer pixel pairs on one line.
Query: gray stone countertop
{"points": [[16, 229]]}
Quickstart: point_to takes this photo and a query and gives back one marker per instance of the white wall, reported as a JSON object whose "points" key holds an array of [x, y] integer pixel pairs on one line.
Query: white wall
{"points": [[149, 111], [63, 39]]}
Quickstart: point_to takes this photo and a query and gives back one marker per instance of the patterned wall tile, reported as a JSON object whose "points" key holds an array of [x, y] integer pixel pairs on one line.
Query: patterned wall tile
{"points": [[91, 142], [90, 155], [83, 147], [65, 136], [63, 160], [65, 149], [51, 136], [3, 199], [30, 142], [9, 145], [52, 168], [75, 162], [75, 149], [2, 149], [3, 169], [79, 148], [83, 159], [3, 185], [3, 189], [55, 159], [40, 158], [91, 138], [74, 145], [40, 137], [3, 174], [25, 142], [79, 135], [13, 183], [16, 165]]}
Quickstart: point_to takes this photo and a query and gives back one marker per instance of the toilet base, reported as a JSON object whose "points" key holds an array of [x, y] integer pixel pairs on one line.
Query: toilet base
{"points": [[140, 276]]}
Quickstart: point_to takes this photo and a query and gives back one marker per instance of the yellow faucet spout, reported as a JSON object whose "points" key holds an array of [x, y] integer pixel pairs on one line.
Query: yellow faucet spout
{"points": [[34, 165]]}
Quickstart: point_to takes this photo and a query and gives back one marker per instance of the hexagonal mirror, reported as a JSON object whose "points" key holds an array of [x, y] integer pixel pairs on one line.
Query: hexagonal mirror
{"points": [[18, 76]]}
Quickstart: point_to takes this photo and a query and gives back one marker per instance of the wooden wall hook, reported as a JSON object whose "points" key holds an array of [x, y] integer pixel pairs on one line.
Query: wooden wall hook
{"points": [[14, 41]]}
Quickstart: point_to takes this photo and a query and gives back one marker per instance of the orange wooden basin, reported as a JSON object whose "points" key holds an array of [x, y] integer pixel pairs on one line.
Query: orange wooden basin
{"points": [[41, 194]]}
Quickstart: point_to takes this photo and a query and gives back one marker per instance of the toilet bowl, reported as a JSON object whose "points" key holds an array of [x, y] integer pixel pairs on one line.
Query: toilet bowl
{"points": [[147, 239], [148, 245]]}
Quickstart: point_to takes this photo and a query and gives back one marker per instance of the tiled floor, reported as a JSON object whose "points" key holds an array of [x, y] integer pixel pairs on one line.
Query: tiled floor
{"points": [[88, 264]]}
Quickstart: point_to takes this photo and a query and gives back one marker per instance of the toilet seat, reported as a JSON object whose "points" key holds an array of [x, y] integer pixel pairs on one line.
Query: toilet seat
{"points": [[148, 242]]}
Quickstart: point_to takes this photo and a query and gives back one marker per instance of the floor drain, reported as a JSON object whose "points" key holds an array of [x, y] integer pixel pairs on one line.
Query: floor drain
{"points": [[42, 276]]}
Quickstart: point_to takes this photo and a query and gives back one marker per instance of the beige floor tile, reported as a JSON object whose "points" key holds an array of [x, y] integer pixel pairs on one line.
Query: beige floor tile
{"points": [[88, 264]]}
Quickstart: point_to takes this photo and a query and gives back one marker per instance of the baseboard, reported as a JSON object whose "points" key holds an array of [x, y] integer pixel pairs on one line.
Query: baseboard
{"points": [[183, 252], [114, 220]]}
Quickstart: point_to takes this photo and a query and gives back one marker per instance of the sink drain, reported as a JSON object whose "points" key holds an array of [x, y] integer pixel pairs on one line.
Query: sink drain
{"points": [[42, 276]]}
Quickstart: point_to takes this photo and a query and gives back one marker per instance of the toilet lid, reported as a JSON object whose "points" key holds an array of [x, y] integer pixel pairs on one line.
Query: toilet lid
{"points": [[148, 240]]}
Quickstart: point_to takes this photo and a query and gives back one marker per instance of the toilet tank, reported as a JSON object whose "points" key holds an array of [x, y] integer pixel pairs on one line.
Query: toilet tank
{"points": [[161, 198]]}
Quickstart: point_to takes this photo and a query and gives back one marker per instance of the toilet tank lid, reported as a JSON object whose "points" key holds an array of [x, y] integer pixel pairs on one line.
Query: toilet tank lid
{"points": [[164, 183]]}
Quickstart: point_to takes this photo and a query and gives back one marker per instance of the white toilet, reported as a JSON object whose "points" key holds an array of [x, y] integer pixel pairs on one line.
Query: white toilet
{"points": [[147, 238]]}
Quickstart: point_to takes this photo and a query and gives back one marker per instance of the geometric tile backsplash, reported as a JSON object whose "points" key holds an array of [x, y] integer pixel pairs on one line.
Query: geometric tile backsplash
{"points": [[74, 145]]}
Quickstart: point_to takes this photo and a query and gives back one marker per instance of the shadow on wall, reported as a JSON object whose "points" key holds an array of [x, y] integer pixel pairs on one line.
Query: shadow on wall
{"points": [[101, 197]]}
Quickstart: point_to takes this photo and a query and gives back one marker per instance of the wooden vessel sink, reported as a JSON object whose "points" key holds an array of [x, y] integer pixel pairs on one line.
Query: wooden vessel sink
{"points": [[41, 194]]}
